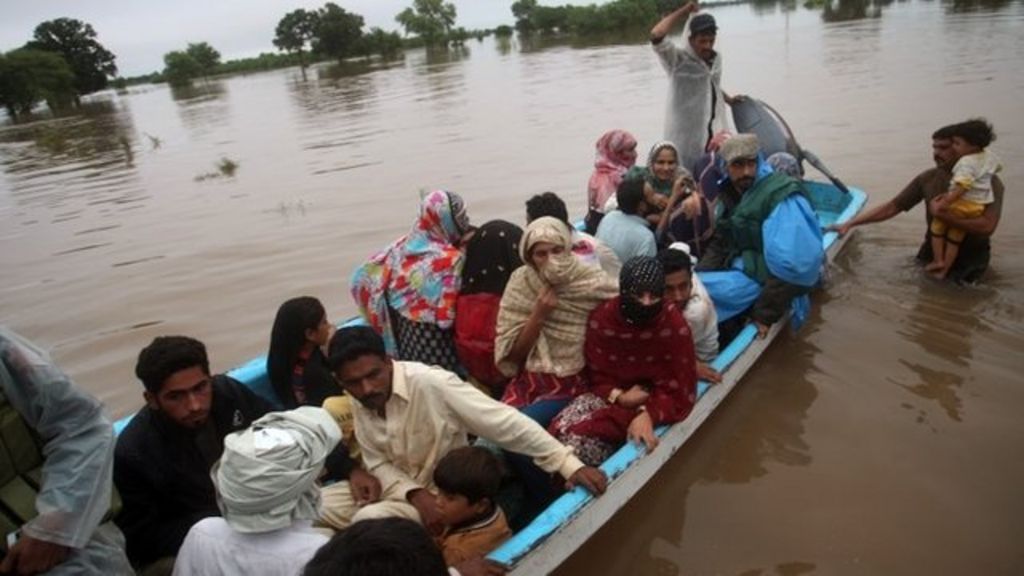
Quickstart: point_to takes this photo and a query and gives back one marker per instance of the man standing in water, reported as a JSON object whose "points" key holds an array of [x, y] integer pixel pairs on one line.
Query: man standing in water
{"points": [[975, 250], [696, 103]]}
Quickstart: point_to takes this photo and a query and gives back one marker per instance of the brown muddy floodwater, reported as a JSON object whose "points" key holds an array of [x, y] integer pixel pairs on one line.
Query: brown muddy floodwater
{"points": [[884, 438]]}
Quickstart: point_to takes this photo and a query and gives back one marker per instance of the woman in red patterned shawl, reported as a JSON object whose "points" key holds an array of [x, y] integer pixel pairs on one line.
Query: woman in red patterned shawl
{"points": [[643, 371]]}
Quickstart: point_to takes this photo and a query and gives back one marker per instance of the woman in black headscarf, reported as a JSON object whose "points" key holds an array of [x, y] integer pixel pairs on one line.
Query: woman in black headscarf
{"points": [[491, 256], [643, 371]]}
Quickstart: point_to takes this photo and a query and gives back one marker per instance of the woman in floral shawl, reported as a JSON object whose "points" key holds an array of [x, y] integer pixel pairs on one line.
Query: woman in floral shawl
{"points": [[616, 153], [408, 291], [643, 371], [543, 318]]}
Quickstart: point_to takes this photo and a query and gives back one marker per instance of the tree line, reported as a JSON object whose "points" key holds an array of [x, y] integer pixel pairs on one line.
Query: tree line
{"points": [[62, 63], [65, 61]]}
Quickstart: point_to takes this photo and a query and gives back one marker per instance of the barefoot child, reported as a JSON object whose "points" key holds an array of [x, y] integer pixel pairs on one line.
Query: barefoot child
{"points": [[467, 482], [970, 189]]}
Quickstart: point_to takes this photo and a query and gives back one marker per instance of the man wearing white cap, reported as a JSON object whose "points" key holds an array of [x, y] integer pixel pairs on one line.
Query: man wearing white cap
{"points": [[267, 491]]}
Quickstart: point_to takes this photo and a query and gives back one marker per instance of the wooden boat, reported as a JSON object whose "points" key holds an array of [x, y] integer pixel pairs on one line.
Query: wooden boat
{"points": [[573, 518], [576, 516]]}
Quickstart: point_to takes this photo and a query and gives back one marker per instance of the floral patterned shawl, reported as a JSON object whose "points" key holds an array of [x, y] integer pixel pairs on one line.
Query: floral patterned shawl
{"points": [[419, 275]]}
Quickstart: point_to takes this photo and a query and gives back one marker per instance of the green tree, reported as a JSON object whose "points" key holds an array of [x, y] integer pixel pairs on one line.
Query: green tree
{"points": [[28, 77], [75, 41], [338, 32], [431, 20], [295, 31], [180, 68], [387, 44], [205, 55]]}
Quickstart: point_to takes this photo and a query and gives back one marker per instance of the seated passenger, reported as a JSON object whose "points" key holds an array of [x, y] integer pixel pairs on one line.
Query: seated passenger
{"points": [[616, 153], [626, 230], [408, 416], [267, 490], [163, 457], [542, 321], [492, 254], [588, 249], [468, 480], [407, 292], [642, 367], [57, 449], [687, 216], [296, 364], [767, 239], [688, 292], [709, 172]]}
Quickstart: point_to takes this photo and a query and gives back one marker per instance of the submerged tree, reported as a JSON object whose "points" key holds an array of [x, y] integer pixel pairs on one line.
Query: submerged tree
{"points": [[28, 77], [205, 56], [294, 32], [387, 44], [180, 68], [338, 32], [91, 63], [431, 20]]}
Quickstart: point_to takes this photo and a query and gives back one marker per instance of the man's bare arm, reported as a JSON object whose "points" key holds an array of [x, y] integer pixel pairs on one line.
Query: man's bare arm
{"points": [[665, 25], [876, 214]]}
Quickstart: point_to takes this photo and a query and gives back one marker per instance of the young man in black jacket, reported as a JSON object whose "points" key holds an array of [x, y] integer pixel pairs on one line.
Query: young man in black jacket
{"points": [[163, 457]]}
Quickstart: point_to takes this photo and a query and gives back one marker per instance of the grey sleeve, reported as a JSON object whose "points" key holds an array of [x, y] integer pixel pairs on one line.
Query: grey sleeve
{"points": [[78, 444]]}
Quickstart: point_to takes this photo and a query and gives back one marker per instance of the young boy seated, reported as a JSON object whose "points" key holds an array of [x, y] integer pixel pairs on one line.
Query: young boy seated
{"points": [[467, 481]]}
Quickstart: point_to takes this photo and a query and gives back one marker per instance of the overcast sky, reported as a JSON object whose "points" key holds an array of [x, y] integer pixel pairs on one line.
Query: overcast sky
{"points": [[140, 32]]}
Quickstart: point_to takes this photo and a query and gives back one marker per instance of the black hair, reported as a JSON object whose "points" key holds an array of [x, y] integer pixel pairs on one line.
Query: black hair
{"points": [[976, 131], [166, 355], [287, 337], [675, 261], [630, 194], [470, 471], [379, 547], [944, 133], [354, 342], [547, 204]]}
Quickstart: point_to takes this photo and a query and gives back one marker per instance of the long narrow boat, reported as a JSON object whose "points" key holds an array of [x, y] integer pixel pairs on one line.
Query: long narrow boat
{"points": [[576, 516]]}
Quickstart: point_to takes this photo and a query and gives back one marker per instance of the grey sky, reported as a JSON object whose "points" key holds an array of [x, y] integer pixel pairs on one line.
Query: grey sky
{"points": [[139, 32]]}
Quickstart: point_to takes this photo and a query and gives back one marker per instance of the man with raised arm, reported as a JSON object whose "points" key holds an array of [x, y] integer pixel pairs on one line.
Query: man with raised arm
{"points": [[975, 250], [696, 102]]}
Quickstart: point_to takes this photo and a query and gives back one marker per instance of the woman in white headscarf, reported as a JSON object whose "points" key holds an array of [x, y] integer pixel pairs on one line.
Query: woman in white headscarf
{"points": [[542, 321]]}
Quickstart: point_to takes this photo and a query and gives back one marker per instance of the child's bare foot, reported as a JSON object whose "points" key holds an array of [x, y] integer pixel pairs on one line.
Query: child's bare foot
{"points": [[939, 274], [934, 266]]}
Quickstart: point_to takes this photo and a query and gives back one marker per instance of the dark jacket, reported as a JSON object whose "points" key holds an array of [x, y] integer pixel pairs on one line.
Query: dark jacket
{"points": [[163, 471]]}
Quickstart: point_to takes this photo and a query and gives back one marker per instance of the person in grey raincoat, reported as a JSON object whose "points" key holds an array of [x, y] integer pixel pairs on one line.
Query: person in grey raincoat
{"points": [[56, 458], [696, 102]]}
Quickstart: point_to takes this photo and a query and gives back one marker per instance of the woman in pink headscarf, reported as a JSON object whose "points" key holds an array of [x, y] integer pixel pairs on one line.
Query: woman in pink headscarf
{"points": [[616, 153]]}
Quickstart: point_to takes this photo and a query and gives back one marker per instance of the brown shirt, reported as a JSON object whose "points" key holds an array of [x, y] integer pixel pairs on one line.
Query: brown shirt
{"points": [[476, 540], [975, 250]]}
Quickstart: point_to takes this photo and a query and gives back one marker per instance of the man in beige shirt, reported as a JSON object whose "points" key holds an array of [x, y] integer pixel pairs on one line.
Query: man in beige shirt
{"points": [[408, 416]]}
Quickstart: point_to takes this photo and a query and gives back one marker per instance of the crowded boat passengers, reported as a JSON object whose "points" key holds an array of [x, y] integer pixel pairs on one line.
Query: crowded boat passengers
{"points": [[490, 361], [492, 368]]}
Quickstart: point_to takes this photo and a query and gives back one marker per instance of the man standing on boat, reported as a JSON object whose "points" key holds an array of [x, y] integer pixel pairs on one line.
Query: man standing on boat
{"points": [[409, 415], [767, 228], [975, 250], [696, 102], [163, 457], [56, 452]]}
